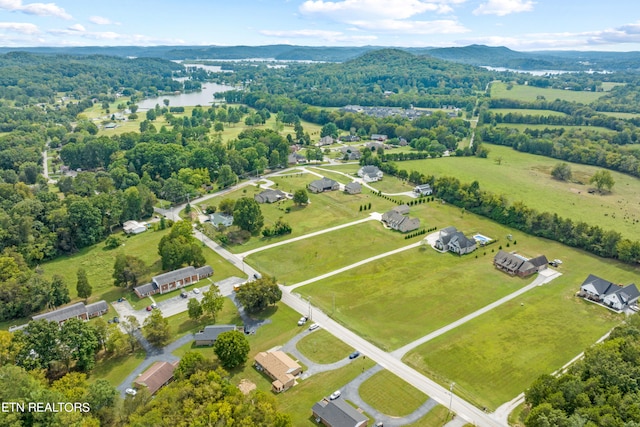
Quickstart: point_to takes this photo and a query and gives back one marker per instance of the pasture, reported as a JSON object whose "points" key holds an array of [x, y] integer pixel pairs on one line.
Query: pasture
{"points": [[527, 178], [527, 111], [531, 93], [523, 126]]}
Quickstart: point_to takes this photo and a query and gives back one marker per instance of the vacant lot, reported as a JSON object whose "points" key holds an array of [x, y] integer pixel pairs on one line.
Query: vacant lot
{"points": [[391, 395], [527, 178], [531, 93], [322, 347]]}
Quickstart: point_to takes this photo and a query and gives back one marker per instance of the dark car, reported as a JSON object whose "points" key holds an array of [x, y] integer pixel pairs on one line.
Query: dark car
{"points": [[184, 294], [120, 299], [354, 355], [149, 308], [116, 320]]}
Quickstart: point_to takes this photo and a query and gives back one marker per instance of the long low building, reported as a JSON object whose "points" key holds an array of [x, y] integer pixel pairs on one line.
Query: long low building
{"points": [[157, 376], [173, 280], [75, 311]]}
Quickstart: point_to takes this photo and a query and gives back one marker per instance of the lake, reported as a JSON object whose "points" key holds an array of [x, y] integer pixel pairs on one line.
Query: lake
{"points": [[191, 99]]}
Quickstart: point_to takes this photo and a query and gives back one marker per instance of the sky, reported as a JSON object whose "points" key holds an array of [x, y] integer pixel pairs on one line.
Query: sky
{"points": [[522, 25]]}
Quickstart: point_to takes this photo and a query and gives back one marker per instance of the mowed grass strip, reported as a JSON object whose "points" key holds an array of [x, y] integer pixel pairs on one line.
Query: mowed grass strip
{"points": [[436, 417], [531, 93], [496, 356], [311, 257], [527, 178], [527, 111], [391, 395], [322, 347]]}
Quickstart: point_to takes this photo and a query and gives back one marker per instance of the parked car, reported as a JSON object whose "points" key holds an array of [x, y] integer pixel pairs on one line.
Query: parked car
{"points": [[257, 276], [154, 305], [336, 394], [196, 290], [116, 320], [314, 327], [354, 355], [149, 308], [120, 299], [131, 391], [183, 294], [302, 320]]}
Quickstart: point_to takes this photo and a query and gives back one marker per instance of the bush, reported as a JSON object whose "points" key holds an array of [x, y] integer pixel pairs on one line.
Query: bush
{"points": [[112, 242]]}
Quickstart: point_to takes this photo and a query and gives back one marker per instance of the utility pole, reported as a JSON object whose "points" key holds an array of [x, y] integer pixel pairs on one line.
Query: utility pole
{"points": [[310, 317], [451, 386]]}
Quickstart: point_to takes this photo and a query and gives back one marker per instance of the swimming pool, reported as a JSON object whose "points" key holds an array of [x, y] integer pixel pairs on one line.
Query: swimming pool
{"points": [[483, 240]]}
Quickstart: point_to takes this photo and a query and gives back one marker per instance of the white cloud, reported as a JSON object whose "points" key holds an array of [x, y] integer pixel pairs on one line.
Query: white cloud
{"points": [[100, 20], [504, 7], [444, 26], [40, 9], [110, 36], [331, 36], [19, 27], [77, 27], [370, 9]]}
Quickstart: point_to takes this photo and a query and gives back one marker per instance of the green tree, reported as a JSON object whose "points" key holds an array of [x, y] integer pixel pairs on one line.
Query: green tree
{"points": [[257, 295], [561, 171], [179, 247], [603, 180], [190, 363], [38, 344], [78, 342], [300, 197], [130, 326], [83, 287], [128, 270], [227, 206], [232, 349], [156, 329], [226, 176], [330, 129], [247, 215], [117, 342], [194, 308], [212, 302]]}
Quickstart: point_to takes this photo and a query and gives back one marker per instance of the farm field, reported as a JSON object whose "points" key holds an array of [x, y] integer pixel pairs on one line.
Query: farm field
{"points": [[523, 126], [527, 111], [527, 178], [621, 115], [321, 254], [530, 93]]}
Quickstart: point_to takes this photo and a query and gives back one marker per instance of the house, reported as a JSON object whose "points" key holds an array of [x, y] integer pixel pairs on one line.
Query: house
{"points": [[609, 294], [269, 196], [296, 159], [349, 138], [517, 265], [74, 311], [423, 190], [338, 413], [134, 227], [370, 173], [378, 137], [353, 188], [374, 146], [396, 219], [325, 140], [157, 376], [452, 240], [220, 218], [210, 333], [350, 153], [279, 367], [172, 280], [322, 185]]}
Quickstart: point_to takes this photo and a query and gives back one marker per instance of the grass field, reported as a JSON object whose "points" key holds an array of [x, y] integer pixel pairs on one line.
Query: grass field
{"points": [[321, 254], [322, 347], [527, 178], [526, 111], [436, 417], [391, 185], [530, 93], [390, 395], [621, 115], [523, 126], [116, 369]]}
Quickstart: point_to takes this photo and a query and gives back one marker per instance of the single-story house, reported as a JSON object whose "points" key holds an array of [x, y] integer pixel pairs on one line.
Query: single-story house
{"points": [[220, 218], [350, 153], [210, 333], [423, 190], [157, 376], [325, 140], [517, 265], [338, 413], [279, 367], [134, 227], [370, 173], [374, 145], [609, 294], [74, 311], [396, 219], [349, 138], [353, 188], [452, 240], [296, 159], [172, 280], [269, 196], [322, 185], [379, 137]]}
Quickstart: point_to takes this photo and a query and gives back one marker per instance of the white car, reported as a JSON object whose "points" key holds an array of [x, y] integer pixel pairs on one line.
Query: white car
{"points": [[336, 394], [196, 290], [314, 327], [131, 391], [302, 320]]}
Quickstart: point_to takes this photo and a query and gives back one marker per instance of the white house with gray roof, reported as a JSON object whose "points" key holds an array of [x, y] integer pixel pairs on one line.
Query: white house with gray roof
{"points": [[370, 173], [609, 294]]}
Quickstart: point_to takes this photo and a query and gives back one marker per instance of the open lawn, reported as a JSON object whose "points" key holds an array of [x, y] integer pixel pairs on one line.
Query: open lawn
{"points": [[436, 417], [497, 355], [390, 395], [523, 126], [621, 115], [526, 111], [181, 324], [392, 185], [116, 369], [527, 178], [322, 347], [351, 169], [530, 93], [321, 254]]}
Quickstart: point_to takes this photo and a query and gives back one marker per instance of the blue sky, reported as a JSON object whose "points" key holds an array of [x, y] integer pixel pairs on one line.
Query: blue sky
{"points": [[612, 25]]}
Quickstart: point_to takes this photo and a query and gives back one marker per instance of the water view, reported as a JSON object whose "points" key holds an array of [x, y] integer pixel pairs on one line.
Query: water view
{"points": [[203, 97]]}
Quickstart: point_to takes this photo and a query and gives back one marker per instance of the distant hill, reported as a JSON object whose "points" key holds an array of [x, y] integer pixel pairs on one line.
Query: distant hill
{"points": [[479, 55]]}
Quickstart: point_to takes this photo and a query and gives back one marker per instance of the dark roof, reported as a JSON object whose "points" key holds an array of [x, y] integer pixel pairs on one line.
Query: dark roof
{"points": [[463, 240], [353, 186], [211, 332], [174, 275], [508, 260], [64, 313], [338, 413], [402, 209], [156, 376], [601, 286], [539, 261], [97, 307], [269, 196], [204, 271], [370, 170], [323, 184], [146, 288]]}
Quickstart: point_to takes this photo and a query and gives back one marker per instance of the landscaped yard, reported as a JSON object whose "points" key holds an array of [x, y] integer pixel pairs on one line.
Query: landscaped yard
{"points": [[530, 93], [390, 395], [527, 178], [322, 347]]}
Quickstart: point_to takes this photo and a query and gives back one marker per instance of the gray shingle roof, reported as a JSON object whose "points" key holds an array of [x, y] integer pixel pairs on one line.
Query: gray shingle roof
{"points": [[174, 275], [204, 271], [64, 313], [338, 413], [97, 307], [146, 288], [211, 332], [602, 286]]}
